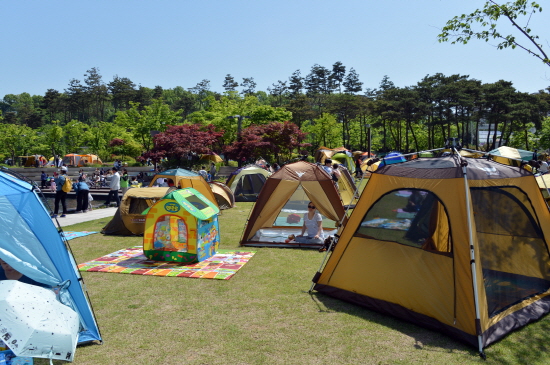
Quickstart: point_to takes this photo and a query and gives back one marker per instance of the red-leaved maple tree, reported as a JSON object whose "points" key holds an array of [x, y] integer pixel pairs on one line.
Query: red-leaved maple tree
{"points": [[179, 142]]}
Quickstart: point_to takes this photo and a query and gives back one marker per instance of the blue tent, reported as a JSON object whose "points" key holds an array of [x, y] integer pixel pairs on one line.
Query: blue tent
{"points": [[392, 157], [31, 244]]}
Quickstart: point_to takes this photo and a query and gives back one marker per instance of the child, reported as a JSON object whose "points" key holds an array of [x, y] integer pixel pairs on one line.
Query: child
{"points": [[53, 186]]}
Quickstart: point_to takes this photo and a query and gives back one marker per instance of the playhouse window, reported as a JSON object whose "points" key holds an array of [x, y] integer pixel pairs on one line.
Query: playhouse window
{"points": [[412, 217], [513, 253], [170, 234]]}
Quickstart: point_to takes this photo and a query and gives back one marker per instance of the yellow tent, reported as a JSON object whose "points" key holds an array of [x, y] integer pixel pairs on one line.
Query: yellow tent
{"points": [[458, 245]]}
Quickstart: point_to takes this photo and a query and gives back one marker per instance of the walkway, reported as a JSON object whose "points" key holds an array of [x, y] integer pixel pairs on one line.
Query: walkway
{"points": [[74, 218]]}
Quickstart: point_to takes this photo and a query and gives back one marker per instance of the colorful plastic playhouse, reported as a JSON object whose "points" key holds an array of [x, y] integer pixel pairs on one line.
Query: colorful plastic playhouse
{"points": [[181, 227]]}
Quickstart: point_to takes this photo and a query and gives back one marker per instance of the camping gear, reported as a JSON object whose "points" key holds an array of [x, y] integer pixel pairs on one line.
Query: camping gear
{"points": [[30, 161], [181, 227], [32, 245], [247, 182], [128, 219], [212, 157], [346, 187], [286, 192], [33, 323], [224, 195], [391, 158], [345, 159], [222, 266], [455, 244], [181, 178], [76, 160]]}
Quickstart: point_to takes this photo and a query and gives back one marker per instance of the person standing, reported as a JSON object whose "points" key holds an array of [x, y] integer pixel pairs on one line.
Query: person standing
{"points": [[124, 181], [114, 187], [82, 190], [212, 170], [43, 180], [203, 173], [60, 195]]}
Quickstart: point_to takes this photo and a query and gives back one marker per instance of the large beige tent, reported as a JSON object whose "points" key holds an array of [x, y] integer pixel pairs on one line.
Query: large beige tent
{"points": [[455, 244], [287, 193]]}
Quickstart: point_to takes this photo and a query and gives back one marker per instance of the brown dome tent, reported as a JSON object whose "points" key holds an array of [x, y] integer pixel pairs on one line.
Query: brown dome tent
{"points": [[287, 193]]}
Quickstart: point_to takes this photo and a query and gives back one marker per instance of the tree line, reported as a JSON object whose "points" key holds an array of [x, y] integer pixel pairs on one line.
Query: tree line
{"points": [[327, 107]]}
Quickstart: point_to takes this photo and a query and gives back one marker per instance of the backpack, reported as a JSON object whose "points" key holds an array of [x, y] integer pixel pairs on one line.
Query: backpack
{"points": [[67, 185]]}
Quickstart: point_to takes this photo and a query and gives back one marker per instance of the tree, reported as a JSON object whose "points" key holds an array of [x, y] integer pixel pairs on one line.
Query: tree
{"points": [[296, 83], [325, 131], [337, 76], [352, 85], [275, 141], [15, 139], [178, 142], [154, 117], [229, 83], [74, 136], [96, 92], [122, 90], [249, 86], [201, 90], [460, 27], [278, 90]]}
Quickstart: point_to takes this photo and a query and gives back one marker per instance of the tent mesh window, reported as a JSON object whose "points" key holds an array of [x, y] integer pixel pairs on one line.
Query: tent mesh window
{"points": [[291, 215], [411, 217], [513, 251]]}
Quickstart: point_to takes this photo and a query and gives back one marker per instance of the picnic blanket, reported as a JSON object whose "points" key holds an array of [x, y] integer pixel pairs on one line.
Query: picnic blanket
{"points": [[223, 265], [69, 235]]}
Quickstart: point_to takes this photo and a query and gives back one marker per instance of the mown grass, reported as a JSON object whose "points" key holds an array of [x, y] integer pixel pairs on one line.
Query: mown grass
{"points": [[263, 315]]}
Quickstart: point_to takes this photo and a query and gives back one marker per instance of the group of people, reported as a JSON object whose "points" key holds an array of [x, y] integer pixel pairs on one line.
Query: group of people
{"points": [[62, 188]]}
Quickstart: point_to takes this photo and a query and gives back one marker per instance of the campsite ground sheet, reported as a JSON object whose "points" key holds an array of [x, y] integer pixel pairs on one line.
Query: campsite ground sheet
{"points": [[69, 235], [223, 265]]}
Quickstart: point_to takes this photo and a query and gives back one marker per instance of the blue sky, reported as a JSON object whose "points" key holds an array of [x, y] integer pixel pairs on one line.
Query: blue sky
{"points": [[172, 43]]}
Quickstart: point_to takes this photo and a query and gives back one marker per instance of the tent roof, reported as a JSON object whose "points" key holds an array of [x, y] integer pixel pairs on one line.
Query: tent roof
{"points": [[449, 168], [178, 172], [301, 171]]}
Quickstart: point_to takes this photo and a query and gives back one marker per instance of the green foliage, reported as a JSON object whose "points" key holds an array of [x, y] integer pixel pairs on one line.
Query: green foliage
{"points": [[460, 28], [324, 131], [154, 117]]}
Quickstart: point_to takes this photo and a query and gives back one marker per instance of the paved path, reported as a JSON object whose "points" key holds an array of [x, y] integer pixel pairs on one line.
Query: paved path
{"points": [[75, 218]]}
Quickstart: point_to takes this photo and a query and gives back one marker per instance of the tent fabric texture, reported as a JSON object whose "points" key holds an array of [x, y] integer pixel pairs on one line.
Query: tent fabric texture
{"points": [[182, 178], [224, 195], [286, 194], [33, 246], [247, 182], [435, 240], [344, 159], [128, 219]]}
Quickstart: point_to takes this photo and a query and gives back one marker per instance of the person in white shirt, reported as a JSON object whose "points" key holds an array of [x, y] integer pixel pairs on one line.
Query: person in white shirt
{"points": [[115, 187], [313, 223], [543, 169]]}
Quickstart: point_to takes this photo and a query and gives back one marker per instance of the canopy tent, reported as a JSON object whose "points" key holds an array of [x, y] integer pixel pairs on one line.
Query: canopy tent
{"points": [[128, 219], [224, 195], [182, 178], [473, 263], [247, 182], [33, 246], [287, 193]]}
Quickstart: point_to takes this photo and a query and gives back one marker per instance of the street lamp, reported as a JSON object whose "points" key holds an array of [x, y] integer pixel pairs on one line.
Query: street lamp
{"points": [[239, 128], [368, 139]]}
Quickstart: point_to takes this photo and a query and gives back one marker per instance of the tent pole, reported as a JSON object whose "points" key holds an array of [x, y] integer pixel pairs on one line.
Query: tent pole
{"points": [[464, 165]]}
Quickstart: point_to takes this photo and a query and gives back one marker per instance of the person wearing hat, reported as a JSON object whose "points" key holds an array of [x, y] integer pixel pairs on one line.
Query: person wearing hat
{"points": [[115, 187]]}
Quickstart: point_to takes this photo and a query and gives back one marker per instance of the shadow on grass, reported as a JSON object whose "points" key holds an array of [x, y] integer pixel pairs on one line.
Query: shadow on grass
{"points": [[528, 345]]}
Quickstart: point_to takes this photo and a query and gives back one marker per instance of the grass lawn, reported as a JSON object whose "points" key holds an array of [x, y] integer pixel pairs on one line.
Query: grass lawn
{"points": [[263, 315]]}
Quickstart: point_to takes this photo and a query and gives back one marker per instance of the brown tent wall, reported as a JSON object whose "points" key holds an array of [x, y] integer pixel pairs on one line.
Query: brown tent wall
{"points": [[434, 289], [278, 189]]}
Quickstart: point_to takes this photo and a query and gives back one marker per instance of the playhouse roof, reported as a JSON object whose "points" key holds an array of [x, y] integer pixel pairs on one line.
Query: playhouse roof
{"points": [[194, 202]]}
